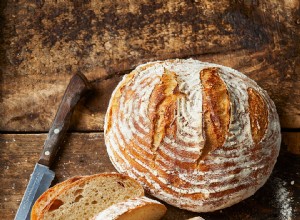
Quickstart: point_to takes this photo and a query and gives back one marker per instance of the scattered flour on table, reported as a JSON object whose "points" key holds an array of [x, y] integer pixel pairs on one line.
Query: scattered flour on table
{"points": [[283, 200]]}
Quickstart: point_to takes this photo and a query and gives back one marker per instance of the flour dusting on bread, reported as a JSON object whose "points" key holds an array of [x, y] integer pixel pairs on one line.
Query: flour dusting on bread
{"points": [[197, 135], [133, 209]]}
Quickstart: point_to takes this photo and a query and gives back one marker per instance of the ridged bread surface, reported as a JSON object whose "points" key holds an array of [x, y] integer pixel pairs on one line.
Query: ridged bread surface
{"points": [[147, 209], [199, 136]]}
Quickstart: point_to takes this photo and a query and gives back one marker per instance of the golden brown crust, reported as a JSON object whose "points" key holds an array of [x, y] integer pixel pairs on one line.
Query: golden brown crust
{"points": [[184, 132], [70, 191], [159, 210], [115, 102], [216, 109], [47, 196], [133, 209], [163, 107], [258, 115]]}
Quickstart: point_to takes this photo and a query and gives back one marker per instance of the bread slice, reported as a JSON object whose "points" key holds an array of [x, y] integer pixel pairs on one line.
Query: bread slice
{"points": [[47, 196], [88, 196], [196, 218], [134, 209]]}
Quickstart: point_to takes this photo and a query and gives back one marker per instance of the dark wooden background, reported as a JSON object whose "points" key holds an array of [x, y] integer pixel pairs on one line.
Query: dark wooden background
{"points": [[44, 42]]}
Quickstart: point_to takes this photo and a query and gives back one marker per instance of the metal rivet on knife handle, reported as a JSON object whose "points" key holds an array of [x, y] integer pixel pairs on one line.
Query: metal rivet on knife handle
{"points": [[77, 86], [41, 178]]}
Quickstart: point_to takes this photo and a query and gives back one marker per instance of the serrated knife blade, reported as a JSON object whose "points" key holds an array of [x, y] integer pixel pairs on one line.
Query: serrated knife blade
{"points": [[40, 180], [42, 176]]}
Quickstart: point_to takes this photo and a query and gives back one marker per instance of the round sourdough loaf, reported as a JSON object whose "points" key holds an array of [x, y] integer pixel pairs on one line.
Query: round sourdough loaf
{"points": [[199, 136]]}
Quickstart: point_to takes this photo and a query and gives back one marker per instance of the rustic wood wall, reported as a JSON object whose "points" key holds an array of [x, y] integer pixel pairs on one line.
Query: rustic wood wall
{"points": [[43, 42]]}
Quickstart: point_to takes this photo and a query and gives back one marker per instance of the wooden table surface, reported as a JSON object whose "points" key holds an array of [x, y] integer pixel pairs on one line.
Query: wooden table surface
{"points": [[44, 42]]}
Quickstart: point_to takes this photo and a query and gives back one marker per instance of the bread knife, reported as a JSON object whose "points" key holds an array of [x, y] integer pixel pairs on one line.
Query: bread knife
{"points": [[42, 176]]}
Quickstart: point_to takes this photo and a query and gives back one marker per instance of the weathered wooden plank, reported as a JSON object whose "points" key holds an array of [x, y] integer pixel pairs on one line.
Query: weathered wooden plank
{"points": [[273, 76], [44, 42], [46, 37], [291, 140], [81, 155], [30, 101], [85, 153]]}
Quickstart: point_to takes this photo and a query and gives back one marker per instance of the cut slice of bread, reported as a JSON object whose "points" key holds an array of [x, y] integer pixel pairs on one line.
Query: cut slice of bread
{"points": [[88, 196], [47, 196], [196, 218], [141, 208]]}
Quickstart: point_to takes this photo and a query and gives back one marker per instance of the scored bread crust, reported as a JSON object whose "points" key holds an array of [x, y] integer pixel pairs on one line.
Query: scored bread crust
{"points": [[75, 198], [47, 196], [136, 208], [199, 136]]}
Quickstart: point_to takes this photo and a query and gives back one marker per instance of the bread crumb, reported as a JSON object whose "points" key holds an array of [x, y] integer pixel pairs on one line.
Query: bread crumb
{"points": [[5, 199], [283, 200], [292, 182]]}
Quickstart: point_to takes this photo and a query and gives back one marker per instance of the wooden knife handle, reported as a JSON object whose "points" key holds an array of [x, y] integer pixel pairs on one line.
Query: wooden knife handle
{"points": [[77, 87]]}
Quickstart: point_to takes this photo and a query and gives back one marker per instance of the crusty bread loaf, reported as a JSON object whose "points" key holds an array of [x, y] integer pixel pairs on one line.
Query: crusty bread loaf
{"points": [[141, 208], [196, 218], [88, 196], [47, 197], [199, 136]]}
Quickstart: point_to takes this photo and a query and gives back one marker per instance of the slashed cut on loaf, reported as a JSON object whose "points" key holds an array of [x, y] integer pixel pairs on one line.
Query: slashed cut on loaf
{"points": [[141, 208], [199, 136], [47, 197], [88, 196]]}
